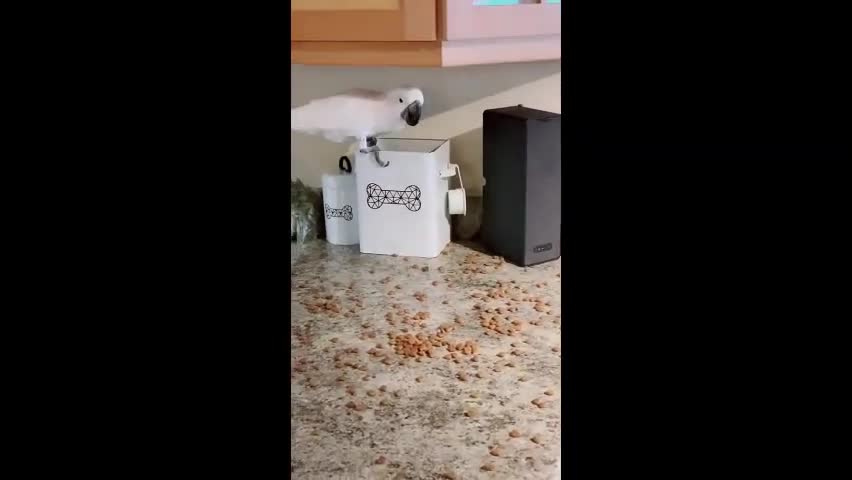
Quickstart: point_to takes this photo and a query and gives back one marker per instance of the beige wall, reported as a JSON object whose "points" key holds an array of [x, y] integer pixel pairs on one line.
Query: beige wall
{"points": [[455, 99]]}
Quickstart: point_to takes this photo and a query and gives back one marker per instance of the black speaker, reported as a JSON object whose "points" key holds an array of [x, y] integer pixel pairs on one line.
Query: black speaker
{"points": [[522, 194]]}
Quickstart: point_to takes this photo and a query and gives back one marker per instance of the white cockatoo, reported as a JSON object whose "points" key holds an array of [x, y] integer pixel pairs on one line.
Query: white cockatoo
{"points": [[359, 114]]}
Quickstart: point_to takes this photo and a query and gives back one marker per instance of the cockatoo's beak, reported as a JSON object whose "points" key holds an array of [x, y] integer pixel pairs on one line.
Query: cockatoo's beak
{"points": [[411, 114]]}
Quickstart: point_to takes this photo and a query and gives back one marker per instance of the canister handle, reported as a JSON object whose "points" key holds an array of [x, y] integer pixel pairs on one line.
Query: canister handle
{"points": [[450, 170], [344, 161], [457, 202]]}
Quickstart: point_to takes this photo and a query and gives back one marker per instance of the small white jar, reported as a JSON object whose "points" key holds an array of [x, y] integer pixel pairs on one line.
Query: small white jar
{"points": [[340, 206]]}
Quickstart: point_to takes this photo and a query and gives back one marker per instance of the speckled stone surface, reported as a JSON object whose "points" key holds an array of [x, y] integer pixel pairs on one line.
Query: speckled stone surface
{"points": [[361, 410]]}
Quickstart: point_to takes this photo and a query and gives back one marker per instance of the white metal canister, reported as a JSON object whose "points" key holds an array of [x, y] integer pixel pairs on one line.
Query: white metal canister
{"points": [[405, 206], [340, 206]]}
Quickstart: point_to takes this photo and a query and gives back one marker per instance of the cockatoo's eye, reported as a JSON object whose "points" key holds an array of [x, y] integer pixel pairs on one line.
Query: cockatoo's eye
{"points": [[400, 100]]}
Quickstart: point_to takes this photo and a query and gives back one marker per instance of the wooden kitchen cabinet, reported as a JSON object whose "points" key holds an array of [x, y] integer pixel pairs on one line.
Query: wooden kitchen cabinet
{"points": [[363, 20], [424, 32]]}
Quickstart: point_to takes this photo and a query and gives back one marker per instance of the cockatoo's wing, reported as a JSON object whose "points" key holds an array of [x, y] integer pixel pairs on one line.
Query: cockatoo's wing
{"points": [[336, 136], [366, 94], [348, 115]]}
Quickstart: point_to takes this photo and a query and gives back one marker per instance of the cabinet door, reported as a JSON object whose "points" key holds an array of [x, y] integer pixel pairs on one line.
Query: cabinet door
{"points": [[363, 20], [470, 19]]}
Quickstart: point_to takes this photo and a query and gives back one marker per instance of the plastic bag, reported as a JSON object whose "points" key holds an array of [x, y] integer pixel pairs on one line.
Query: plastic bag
{"points": [[305, 212]]}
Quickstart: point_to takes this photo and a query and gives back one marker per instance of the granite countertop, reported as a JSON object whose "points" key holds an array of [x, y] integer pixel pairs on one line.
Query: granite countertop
{"points": [[410, 368]]}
